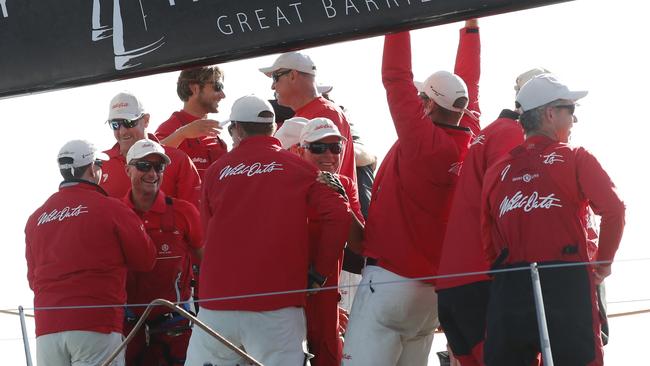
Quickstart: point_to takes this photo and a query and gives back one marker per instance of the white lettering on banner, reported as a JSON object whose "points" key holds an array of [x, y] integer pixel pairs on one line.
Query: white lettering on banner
{"points": [[3, 5], [553, 158], [225, 26], [528, 203], [60, 215], [249, 170]]}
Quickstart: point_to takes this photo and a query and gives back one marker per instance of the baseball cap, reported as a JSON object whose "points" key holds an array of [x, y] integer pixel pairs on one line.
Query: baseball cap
{"points": [[81, 152], [324, 89], [543, 89], [293, 61], [146, 147], [524, 77], [250, 108], [319, 128], [125, 106], [445, 89], [289, 133]]}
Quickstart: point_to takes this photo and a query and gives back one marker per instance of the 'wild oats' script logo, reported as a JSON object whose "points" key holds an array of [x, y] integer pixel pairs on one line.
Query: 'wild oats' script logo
{"points": [[60, 215], [528, 203], [249, 170]]}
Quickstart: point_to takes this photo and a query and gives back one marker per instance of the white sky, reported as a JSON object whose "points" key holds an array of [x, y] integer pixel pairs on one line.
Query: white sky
{"points": [[595, 45]]}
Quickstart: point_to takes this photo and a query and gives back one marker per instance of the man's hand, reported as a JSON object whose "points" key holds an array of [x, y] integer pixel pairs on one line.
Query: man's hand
{"points": [[471, 23], [200, 128], [601, 271], [332, 181]]}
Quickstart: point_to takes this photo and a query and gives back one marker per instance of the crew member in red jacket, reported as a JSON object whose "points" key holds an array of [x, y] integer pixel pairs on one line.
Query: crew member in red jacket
{"points": [[79, 245], [201, 90], [462, 300], [534, 209], [175, 228], [393, 324], [129, 121], [294, 83], [246, 240]]}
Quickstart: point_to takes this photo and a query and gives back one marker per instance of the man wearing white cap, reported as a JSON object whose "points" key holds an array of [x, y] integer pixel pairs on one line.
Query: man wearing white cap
{"points": [[201, 89], [129, 121], [393, 324], [175, 228], [267, 253], [294, 75], [79, 245], [534, 204], [462, 300]]}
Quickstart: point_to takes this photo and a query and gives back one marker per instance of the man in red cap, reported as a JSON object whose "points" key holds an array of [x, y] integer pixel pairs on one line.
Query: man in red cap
{"points": [[79, 245], [175, 228], [201, 90], [266, 253], [393, 324], [534, 209]]}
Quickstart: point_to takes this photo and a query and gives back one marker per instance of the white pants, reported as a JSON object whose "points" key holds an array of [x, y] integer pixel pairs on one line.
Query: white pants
{"points": [[390, 324], [271, 337], [78, 348]]}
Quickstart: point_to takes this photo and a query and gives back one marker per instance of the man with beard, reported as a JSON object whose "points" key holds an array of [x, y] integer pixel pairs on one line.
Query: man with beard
{"points": [[201, 90]]}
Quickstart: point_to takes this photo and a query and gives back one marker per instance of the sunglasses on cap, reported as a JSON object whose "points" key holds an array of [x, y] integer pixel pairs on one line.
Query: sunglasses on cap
{"points": [[146, 166], [126, 123], [570, 107], [322, 147], [278, 74]]}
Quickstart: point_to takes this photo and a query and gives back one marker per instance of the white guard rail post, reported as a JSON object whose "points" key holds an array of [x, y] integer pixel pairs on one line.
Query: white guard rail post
{"points": [[544, 340], [23, 327], [185, 315]]}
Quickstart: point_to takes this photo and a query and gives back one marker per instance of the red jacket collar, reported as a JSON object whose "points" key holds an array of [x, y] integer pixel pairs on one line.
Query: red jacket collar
{"points": [[185, 117], [260, 140], [81, 184], [159, 204]]}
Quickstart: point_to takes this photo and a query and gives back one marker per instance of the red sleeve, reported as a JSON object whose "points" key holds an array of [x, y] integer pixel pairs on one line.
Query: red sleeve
{"points": [[468, 67], [487, 221], [500, 143], [333, 215], [188, 180], [193, 232], [28, 256], [598, 188], [204, 206], [138, 248], [403, 101], [167, 128], [353, 198]]}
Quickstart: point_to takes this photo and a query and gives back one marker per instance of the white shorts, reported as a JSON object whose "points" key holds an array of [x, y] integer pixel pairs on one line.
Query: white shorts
{"points": [[390, 324], [78, 348], [275, 337]]}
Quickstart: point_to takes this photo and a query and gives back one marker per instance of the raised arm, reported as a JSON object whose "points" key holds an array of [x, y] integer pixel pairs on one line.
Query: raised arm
{"points": [[468, 67]]}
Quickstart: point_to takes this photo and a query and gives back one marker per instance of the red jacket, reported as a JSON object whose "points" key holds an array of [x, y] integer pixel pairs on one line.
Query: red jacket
{"points": [[321, 107], [534, 204], [175, 228], [412, 192], [462, 250], [249, 248], [180, 178], [79, 244], [202, 150]]}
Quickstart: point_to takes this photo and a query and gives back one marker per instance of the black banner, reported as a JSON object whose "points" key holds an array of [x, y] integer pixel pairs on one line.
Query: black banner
{"points": [[50, 44]]}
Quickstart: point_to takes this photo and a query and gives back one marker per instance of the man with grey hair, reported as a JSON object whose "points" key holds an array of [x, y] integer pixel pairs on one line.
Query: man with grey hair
{"points": [[534, 210]]}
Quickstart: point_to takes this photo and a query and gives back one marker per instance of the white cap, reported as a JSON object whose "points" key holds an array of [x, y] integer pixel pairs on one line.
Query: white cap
{"points": [[125, 106], [293, 61], [543, 89], [249, 108], [419, 86], [82, 153], [319, 128], [289, 132], [445, 88], [324, 89], [524, 77], [144, 148]]}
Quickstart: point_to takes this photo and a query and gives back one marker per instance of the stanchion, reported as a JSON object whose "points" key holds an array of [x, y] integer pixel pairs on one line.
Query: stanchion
{"points": [[28, 354], [544, 340]]}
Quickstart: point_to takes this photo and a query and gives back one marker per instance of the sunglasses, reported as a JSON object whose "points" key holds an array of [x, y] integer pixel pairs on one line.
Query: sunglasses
{"points": [[570, 107], [126, 123], [322, 147], [146, 166], [218, 86], [278, 74], [99, 163]]}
